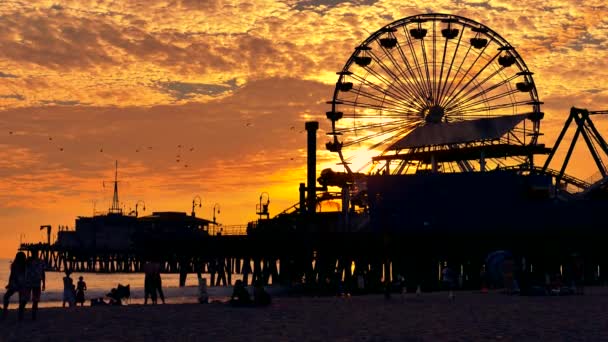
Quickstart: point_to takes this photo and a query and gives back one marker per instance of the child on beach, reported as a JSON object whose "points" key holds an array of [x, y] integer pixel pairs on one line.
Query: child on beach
{"points": [[80, 288]]}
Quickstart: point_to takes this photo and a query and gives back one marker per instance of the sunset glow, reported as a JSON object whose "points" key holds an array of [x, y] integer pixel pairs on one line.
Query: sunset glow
{"points": [[210, 98]]}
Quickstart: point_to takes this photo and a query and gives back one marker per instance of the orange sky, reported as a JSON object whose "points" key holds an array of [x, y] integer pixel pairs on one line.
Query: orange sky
{"points": [[232, 83]]}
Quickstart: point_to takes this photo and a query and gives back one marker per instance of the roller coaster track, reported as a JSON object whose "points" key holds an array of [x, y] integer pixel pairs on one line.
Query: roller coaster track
{"points": [[324, 196], [570, 180]]}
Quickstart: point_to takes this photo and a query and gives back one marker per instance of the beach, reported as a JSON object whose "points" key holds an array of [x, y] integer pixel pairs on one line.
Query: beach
{"points": [[430, 317]]}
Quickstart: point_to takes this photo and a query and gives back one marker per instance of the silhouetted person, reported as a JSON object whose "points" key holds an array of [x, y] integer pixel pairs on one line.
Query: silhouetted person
{"points": [[149, 285], [81, 287], [260, 296], [203, 296], [69, 290], [221, 273], [119, 293], [158, 282], [35, 279], [16, 284], [240, 296]]}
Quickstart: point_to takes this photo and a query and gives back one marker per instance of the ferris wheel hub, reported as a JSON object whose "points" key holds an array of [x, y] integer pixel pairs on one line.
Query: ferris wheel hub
{"points": [[433, 114]]}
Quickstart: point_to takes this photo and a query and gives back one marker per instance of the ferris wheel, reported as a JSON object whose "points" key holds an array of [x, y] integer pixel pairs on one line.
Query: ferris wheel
{"points": [[434, 92]]}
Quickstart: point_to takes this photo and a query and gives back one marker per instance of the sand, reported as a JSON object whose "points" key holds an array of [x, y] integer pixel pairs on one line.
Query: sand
{"points": [[430, 317]]}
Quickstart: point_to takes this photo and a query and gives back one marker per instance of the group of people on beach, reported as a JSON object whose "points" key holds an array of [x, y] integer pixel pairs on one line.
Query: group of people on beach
{"points": [[73, 294], [27, 279]]}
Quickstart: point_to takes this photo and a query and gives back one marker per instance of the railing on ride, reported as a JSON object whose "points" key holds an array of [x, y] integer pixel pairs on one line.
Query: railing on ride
{"points": [[323, 196], [572, 184], [235, 229]]}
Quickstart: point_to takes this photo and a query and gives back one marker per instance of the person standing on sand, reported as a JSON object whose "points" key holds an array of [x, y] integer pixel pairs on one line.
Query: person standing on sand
{"points": [[158, 282], [149, 286], [80, 288], [16, 284], [203, 296], [34, 276], [69, 290]]}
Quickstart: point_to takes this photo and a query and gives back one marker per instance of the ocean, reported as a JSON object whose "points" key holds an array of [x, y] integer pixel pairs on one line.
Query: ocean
{"points": [[99, 284]]}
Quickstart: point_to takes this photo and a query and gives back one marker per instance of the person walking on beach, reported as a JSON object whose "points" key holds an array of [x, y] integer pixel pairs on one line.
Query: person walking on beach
{"points": [[16, 284], [69, 290], [159, 284], [34, 277], [81, 287], [149, 286]]}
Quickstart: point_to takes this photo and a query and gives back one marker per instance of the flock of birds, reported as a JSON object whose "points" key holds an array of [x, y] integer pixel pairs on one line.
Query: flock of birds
{"points": [[180, 156], [182, 151]]}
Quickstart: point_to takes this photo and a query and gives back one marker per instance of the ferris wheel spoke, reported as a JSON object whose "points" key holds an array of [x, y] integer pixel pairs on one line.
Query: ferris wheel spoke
{"points": [[376, 87], [460, 99], [414, 90], [413, 79], [393, 77], [383, 100], [372, 125], [428, 74], [489, 99], [464, 75], [443, 87], [440, 88], [484, 91], [407, 89], [387, 142], [434, 83], [453, 96], [417, 77], [401, 97], [492, 108], [383, 80], [453, 82], [373, 136], [363, 105], [425, 84], [376, 116]]}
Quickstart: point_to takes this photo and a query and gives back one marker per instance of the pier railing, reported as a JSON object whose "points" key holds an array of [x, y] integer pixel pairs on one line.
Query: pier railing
{"points": [[236, 229]]}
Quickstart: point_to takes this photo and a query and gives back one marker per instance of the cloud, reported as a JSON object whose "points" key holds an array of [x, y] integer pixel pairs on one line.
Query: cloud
{"points": [[186, 90], [7, 75], [61, 102], [12, 96]]}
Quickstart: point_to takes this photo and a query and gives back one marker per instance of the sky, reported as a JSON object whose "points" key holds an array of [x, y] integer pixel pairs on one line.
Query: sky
{"points": [[210, 97]]}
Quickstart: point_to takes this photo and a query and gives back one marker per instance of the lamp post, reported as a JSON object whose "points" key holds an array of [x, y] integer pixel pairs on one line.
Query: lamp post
{"points": [[200, 203], [263, 206], [136, 204], [216, 205]]}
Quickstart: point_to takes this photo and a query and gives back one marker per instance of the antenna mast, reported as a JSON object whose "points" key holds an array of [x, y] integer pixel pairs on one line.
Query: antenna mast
{"points": [[115, 209]]}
